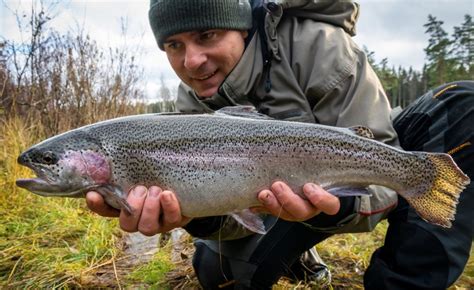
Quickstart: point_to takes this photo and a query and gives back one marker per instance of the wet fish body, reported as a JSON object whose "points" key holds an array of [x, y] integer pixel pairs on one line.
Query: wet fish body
{"points": [[217, 163]]}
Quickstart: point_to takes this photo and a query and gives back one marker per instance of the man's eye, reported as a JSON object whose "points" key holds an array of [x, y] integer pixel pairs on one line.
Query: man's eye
{"points": [[208, 35], [172, 45]]}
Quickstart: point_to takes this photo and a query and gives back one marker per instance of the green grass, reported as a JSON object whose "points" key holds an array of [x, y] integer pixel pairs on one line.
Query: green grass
{"points": [[45, 242], [153, 273]]}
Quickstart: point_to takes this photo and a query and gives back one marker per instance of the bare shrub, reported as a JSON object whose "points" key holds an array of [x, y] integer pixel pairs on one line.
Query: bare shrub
{"points": [[60, 81]]}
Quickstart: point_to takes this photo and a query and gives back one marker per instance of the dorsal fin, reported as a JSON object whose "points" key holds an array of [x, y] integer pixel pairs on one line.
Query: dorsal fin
{"points": [[244, 112], [362, 131]]}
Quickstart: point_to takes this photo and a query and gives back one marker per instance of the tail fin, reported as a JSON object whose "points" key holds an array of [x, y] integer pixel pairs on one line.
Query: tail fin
{"points": [[438, 204]]}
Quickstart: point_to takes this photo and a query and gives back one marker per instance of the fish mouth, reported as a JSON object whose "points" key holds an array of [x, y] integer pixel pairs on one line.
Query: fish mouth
{"points": [[44, 184], [46, 188]]}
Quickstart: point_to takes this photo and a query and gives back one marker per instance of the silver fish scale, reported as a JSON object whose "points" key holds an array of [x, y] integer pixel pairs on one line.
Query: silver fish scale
{"points": [[218, 164]]}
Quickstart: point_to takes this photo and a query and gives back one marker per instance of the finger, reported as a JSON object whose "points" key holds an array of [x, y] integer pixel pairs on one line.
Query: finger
{"points": [[292, 203], [148, 223], [320, 198], [97, 204], [136, 199], [268, 200], [272, 205], [171, 211]]}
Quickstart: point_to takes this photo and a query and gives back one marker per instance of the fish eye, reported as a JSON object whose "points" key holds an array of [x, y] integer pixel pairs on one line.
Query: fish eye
{"points": [[49, 158]]}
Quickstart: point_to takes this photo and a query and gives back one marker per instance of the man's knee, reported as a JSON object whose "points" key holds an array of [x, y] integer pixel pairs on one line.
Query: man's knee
{"points": [[217, 271], [407, 262], [418, 255], [440, 121], [211, 270]]}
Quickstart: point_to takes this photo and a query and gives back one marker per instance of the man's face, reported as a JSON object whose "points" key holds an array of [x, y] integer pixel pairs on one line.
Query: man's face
{"points": [[203, 59]]}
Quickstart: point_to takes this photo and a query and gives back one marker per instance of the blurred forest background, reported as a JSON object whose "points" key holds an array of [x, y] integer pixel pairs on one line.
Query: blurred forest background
{"points": [[448, 58], [52, 82], [53, 75]]}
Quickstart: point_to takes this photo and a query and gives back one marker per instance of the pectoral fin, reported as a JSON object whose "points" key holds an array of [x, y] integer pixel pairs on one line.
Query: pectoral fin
{"points": [[250, 221], [114, 197]]}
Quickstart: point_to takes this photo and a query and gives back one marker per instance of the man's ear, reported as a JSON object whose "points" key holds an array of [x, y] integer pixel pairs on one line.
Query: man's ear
{"points": [[245, 33]]}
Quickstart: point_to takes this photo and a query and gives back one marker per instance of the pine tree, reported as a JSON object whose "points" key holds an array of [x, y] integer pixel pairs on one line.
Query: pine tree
{"points": [[463, 48], [437, 52]]}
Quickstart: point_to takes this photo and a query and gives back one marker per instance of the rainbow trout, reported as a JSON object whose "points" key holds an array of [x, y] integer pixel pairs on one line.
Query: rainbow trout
{"points": [[217, 163]]}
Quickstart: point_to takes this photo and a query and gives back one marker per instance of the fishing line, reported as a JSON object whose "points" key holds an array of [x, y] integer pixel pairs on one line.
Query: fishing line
{"points": [[221, 265], [274, 223]]}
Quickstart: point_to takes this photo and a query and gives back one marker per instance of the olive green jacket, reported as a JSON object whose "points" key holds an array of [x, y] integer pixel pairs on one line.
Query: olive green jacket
{"points": [[318, 75]]}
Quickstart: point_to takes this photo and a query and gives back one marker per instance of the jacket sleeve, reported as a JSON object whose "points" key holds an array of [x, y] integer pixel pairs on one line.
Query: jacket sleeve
{"points": [[344, 91], [336, 78]]}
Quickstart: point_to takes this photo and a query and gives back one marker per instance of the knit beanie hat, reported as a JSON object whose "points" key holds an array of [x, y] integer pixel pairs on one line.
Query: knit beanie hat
{"points": [[169, 17]]}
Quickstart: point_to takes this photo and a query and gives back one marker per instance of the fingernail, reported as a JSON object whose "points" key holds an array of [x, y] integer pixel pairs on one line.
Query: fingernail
{"points": [[167, 197], [266, 197], [278, 188], [139, 191], [313, 187], [281, 186], [154, 192]]}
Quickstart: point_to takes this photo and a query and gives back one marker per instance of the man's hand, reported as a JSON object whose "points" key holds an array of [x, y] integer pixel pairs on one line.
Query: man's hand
{"points": [[282, 202], [154, 211]]}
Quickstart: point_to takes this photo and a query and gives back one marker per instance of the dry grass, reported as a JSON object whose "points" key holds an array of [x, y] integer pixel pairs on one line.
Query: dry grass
{"points": [[45, 242]]}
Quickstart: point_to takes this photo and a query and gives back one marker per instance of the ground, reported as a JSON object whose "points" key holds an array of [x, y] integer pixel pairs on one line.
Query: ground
{"points": [[347, 256]]}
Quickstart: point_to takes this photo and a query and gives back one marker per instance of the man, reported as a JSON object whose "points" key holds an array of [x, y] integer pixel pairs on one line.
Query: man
{"points": [[294, 61]]}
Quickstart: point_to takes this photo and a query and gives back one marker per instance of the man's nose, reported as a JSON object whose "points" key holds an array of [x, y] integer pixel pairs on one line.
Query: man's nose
{"points": [[194, 57]]}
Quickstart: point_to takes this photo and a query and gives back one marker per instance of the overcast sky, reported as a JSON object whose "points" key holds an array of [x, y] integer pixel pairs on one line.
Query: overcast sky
{"points": [[391, 28]]}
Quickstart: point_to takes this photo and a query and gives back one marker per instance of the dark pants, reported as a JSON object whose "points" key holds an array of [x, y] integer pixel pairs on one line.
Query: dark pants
{"points": [[269, 260], [418, 255], [258, 262]]}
